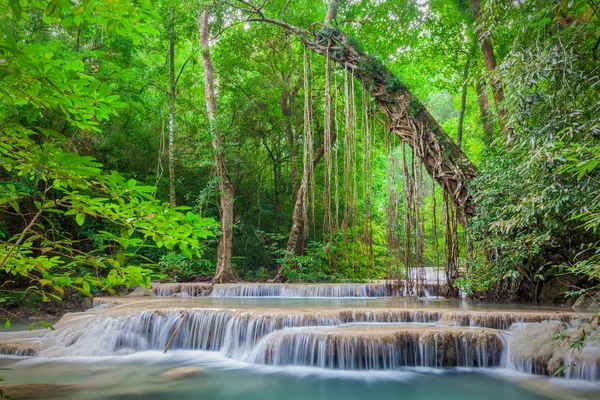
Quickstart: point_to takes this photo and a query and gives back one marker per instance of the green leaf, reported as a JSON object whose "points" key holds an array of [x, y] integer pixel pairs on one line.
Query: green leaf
{"points": [[52, 8], [80, 218], [47, 325], [148, 29], [7, 324], [15, 6]]}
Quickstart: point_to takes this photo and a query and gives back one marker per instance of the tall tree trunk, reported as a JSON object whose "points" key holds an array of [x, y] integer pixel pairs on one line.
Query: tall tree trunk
{"points": [[490, 63], [484, 109], [463, 103], [224, 272], [331, 11], [172, 108]]}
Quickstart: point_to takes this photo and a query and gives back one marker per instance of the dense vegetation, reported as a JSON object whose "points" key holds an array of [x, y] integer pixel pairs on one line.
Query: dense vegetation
{"points": [[132, 132]]}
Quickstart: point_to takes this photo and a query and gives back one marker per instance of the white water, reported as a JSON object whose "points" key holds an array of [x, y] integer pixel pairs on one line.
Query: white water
{"points": [[326, 339], [390, 346], [425, 282], [330, 338]]}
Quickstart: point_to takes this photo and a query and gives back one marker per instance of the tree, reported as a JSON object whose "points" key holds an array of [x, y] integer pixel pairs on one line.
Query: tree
{"points": [[489, 58], [224, 272]]}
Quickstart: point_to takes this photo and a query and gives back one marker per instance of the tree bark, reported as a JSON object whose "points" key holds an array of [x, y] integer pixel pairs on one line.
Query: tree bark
{"points": [[489, 58], [172, 199], [408, 119], [463, 103], [224, 270], [331, 11]]}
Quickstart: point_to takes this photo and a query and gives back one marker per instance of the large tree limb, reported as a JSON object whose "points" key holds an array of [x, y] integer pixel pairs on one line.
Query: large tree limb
{"points": [[407, 117]]}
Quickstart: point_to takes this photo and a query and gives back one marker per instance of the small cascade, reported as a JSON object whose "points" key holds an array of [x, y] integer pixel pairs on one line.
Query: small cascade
{"points": [[346, 339], [585, 368], [182, 289], [19, 349], [201, 329], [228, 330], [502, 320], [328, 290], [380, 347], [305, 290], [390, 316]]}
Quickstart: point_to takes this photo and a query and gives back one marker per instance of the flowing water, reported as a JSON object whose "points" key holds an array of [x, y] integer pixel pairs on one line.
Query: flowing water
{"points": [[296, 347]]}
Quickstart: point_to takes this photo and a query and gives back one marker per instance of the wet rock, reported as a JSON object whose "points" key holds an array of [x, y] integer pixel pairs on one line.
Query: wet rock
{"points": [[140, 291], [182, 372], [556, 289], [534, 349], [19, 348], [587, 302], [38, 390]]}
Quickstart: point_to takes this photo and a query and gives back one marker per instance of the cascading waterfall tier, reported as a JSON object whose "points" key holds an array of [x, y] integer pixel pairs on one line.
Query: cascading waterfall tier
{"points": [[357, 347], [342, 290], [501, 319], [182, 289], [227, 330]]}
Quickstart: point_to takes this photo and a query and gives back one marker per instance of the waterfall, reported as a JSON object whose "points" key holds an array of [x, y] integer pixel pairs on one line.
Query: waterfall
{"points": [[535, 348], [300, 290], [357, 347], [502, 319], [345, 339], [226, 330], [342, 290], [182, 289]]}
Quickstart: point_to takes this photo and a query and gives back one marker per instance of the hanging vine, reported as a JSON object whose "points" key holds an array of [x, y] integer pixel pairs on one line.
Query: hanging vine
{"points": [[308, 149]]}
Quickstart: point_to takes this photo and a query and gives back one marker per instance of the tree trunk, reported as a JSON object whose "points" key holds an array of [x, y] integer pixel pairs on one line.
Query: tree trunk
{"points": [[484, 109], [331, 11], [172, 108], [224, 271], [409, 120], [463, 103], [489, 58]]}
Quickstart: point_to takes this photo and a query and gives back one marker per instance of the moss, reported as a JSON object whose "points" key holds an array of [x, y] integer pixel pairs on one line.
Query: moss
{"points": [[327, 33], [394, 85], [414, 107]]}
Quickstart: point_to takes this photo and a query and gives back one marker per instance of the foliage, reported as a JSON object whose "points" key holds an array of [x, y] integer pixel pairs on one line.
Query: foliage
{"points": [[84, 93], [50, 191], [537, 183], [175, 265]]}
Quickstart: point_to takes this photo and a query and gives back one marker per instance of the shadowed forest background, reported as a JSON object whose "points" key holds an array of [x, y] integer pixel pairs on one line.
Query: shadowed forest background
{"points": [[120, 166]]}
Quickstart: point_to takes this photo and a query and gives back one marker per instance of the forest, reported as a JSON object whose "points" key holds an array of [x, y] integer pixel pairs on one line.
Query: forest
{"points": [[236, 141], [299, 199]]}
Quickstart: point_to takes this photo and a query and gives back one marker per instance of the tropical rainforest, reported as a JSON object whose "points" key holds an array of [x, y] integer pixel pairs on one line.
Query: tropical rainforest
{"points": [[243, 140]]}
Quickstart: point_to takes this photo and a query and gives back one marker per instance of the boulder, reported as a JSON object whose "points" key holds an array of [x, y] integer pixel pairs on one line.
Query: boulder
{"points": [[555, 290], [587, 302]]}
